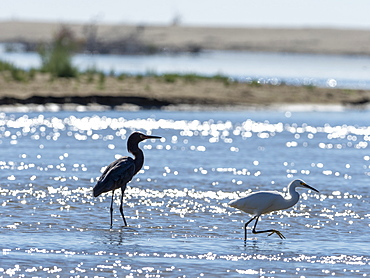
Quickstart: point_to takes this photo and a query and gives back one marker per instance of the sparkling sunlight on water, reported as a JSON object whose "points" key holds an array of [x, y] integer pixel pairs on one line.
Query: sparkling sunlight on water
{"points": [[179, 222]]}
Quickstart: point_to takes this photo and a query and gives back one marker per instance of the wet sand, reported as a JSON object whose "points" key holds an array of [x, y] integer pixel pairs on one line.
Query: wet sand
{"points": [[155, 92]]}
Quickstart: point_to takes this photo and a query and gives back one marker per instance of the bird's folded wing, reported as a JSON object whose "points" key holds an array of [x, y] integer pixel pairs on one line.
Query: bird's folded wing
{"points": [[122, 170]]}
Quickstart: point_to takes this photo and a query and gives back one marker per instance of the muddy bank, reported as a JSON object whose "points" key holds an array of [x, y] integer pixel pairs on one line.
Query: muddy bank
{"points": [[156, 92], [109, 101]]}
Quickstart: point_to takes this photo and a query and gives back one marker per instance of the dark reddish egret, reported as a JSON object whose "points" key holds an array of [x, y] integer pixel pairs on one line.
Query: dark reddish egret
{"points": [[121, 171], [263, 202]]}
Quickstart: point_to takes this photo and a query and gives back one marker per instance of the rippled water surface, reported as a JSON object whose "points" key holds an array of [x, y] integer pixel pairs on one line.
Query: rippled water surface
{"points": [[179, 222], [344, 71]]}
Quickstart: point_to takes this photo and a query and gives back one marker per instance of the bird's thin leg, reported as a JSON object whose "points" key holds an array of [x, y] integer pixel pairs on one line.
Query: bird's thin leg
{"points": [[111, 210], [121, 206], [245, 228], [272, 231]]}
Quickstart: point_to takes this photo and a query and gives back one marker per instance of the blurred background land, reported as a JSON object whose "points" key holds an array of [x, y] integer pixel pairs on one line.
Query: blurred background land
{"points": [[123, 39], [167, 90]]}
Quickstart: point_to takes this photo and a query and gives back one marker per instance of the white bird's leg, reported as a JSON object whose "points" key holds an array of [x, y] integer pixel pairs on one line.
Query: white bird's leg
{"points": [[111, 210], [121, 208], [245, 227], [267, 231]]}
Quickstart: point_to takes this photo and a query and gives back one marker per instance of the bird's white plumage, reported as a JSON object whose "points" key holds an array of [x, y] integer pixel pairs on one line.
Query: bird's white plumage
{"points": [[259, 202], [263, 202]]}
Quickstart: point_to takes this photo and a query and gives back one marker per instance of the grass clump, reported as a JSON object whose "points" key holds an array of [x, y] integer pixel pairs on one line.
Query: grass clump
{"points": [[101, 81], [57, 58], [193, 77], [6, 66], [90, 74], [220, 77], [170, 78], [122, 76], [309, 87], [16, 73], [139, 77], [255, 83]]}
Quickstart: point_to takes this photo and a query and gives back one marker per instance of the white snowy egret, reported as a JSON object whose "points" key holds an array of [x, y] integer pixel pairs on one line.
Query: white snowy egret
{"points": [[263, 202]]}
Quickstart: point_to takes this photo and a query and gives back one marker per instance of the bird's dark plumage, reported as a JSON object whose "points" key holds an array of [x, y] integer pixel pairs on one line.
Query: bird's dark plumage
{"points": [[116, 175], [121, 171]]}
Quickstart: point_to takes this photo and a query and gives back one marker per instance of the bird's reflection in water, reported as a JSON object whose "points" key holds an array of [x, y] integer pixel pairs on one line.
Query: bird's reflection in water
{"points": [[121, 236]]}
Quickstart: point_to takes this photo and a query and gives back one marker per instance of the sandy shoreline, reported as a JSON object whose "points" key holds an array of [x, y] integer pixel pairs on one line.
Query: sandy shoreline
{"points": [[155, 92], [319, 41]]}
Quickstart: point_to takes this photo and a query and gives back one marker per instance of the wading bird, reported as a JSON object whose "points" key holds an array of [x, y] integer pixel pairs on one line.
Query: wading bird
{"points": [[263, 202], [121, 171]]}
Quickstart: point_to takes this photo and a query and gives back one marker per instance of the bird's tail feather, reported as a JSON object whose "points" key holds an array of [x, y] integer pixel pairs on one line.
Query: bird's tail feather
{"points": [[232, 203], [98, 190]]}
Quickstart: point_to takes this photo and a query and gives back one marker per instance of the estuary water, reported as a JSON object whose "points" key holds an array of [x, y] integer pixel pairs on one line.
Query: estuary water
{"points": [[180, 224], [342, 71]]}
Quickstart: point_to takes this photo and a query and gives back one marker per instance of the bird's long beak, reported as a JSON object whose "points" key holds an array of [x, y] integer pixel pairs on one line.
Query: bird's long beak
{"points": [[310, 187], [151, 137]]}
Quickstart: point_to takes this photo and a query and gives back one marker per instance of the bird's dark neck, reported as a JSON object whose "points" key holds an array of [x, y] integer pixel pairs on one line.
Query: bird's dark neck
{"points": [[133, 147], [139, 159]]}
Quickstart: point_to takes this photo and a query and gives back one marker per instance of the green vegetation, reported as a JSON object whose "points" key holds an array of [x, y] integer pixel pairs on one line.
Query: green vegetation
{"points": [[122, 76], [170, 78], [57, 62], [57, 58], [188, 77], [139, 77], [309, 87], [255, 83], [101, 81], [90, 74], [16, 73], [6, 66]]}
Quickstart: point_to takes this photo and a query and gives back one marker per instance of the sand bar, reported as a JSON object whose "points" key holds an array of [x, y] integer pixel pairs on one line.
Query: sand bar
{"points": [[155, 92], [319, 41]]}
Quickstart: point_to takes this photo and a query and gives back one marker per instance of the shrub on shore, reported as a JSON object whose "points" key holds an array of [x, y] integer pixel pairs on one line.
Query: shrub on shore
{"points": [[56, 59]]}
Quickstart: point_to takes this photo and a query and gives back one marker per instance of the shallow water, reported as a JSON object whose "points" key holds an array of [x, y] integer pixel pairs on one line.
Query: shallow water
{"points": [[179, 222], [344, 71]]}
